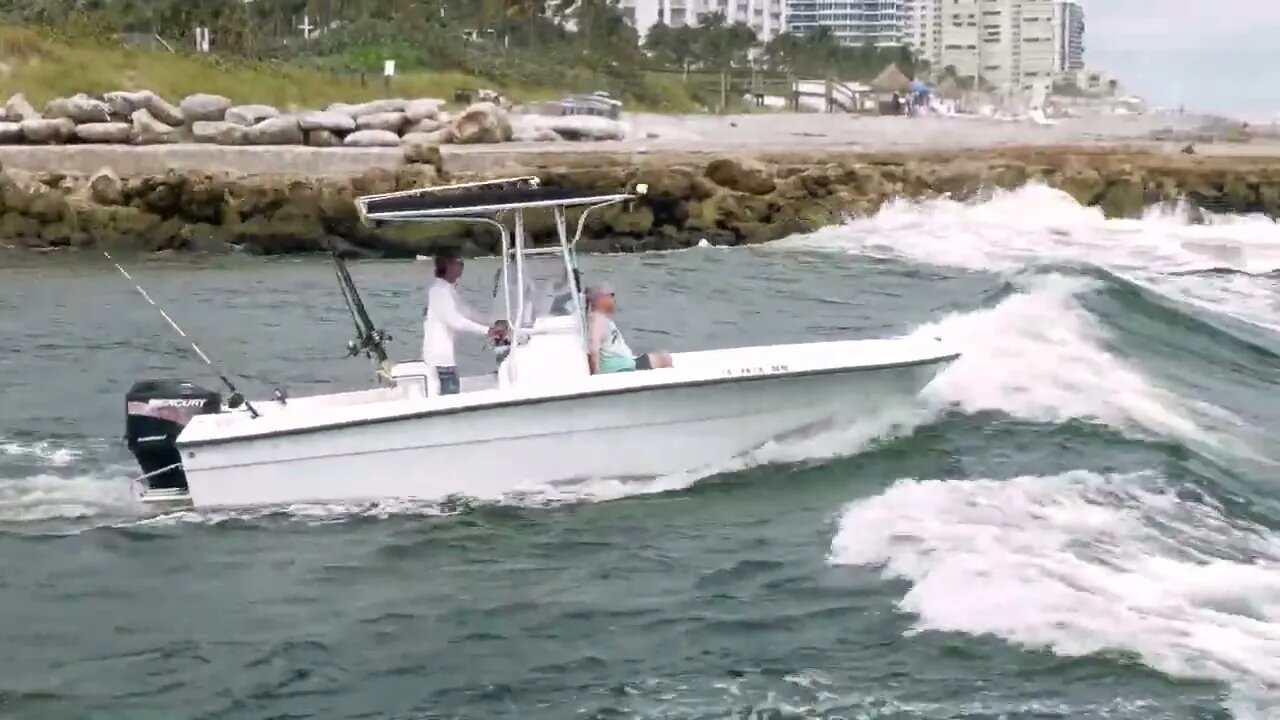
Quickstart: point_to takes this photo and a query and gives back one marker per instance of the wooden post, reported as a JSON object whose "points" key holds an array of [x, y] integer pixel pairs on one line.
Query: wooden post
{"points": [[724, 92]]}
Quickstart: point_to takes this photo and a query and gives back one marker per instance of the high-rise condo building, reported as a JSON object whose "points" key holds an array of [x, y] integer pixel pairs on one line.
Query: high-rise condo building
{"points": [[852, 22], [1068, 27], [766, 17]]}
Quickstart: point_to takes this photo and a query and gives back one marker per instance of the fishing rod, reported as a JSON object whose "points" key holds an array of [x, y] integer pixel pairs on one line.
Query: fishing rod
{"points": [[236, 398], [368, 338]]}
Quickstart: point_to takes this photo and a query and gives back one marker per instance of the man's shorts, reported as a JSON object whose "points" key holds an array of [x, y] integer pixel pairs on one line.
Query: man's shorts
{"points": [[449, 384]]}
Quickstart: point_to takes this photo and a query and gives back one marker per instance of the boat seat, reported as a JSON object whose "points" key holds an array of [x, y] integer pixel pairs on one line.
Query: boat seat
{"points": [[416, 378]]}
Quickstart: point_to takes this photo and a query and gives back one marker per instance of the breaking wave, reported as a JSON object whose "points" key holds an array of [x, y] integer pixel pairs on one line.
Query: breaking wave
{"points": [[1083, 563], [1146, 327]]}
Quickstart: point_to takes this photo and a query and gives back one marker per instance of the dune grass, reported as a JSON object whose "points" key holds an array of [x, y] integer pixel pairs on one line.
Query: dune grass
{"points": [[44, 67]]}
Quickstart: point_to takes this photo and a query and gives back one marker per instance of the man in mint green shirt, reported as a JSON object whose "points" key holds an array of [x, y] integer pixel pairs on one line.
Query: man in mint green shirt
{"points": [[607, 351]]}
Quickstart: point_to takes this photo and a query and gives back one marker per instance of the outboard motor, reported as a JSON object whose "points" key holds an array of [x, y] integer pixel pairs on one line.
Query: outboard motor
{"points": [[156, 411]]}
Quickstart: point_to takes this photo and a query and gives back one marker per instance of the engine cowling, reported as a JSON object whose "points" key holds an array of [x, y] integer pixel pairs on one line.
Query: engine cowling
{"points": [[156, 411]]}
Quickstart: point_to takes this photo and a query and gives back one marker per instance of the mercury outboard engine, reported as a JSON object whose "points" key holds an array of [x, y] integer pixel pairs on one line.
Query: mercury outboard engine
{"points": [[156, 411]]}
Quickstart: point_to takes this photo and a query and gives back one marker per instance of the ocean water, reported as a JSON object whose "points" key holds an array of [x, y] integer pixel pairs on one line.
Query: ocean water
{"points": [[1079, 519]]}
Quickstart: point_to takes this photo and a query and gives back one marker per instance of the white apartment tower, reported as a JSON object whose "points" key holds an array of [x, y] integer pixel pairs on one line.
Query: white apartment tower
{"points": [[853, 22], [766, 17], [1007, 44], [1033, 44], [922, 28], [1068, 28]]}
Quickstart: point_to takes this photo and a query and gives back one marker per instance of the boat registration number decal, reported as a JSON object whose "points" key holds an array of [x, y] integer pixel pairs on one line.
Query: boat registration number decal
{"points": [[758, 370]]}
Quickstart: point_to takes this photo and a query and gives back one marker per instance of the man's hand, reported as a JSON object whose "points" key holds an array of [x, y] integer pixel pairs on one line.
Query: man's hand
{"points": [[500, 332]]}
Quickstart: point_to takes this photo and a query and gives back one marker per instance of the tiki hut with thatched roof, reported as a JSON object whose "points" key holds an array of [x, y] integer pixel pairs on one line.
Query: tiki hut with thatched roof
{"points": [[891, 80]]}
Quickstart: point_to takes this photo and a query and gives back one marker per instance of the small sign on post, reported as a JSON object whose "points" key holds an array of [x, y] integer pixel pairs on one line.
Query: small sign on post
{"points": [[388, 70], [202, 39]]}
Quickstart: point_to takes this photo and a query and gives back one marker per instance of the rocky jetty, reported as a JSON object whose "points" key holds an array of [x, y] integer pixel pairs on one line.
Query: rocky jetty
{"points": [[727, 200], [144, 118]]}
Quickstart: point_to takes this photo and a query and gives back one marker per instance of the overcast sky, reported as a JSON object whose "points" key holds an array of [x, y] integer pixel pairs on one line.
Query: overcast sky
{"points": [[1221, 55]]}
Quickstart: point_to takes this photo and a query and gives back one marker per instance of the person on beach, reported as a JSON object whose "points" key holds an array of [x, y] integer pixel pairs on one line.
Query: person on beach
{"points": [[447, 315], [607, 352]]}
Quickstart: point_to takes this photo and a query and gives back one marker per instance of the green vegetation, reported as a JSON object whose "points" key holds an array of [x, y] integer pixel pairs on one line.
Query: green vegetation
{"points": [[528, 49], [44, 68]]}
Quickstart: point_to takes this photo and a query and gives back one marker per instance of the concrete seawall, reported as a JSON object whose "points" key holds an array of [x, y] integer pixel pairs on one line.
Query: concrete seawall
{"points": [[286, 199], [774, 137]]}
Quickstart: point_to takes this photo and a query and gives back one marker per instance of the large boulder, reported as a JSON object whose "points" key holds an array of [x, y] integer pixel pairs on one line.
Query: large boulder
{"points": [[219, 132], [421, 152], [1124, 197], [203, 107], [483, 123], [636, 220], [204, 238], [290, 220], [17, 109], [334, 122], [106, 188], [1084, 184], [24, 194], [11, 132], [45, 132], [276, 131], [147, 130], [426, 125], [116, 133], [203, 197], [727, 210], [130, 227], [747, 177], [416, 175], [79, 108], [162, 110], [371, 138], [124, 103], [423, 109], [391, 121], [372, 107], [250, 115]]}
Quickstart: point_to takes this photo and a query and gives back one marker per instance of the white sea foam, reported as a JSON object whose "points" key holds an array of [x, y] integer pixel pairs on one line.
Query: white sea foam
{"points": [[55, 497], [1037, 224], [1081, 563], [1037, 355], [43, 452]]}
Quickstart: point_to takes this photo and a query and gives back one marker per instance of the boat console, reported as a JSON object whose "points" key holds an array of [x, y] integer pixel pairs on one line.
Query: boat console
{"points": [[547, 353]]}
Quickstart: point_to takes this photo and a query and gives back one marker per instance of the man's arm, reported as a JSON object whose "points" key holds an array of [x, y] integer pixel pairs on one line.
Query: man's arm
{"points": [[595, 339], [453, 317]]}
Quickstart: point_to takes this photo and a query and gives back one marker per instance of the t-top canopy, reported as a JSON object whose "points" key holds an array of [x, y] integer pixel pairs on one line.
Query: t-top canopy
{"points": [[482, 199]]}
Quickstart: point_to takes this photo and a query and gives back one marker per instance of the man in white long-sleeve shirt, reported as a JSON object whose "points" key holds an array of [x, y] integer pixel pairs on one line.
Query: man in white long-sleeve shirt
{"points": [[446, 316]]}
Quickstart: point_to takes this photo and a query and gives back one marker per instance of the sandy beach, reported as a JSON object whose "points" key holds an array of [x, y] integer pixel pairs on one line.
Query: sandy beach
{"points": [[799, 134]]}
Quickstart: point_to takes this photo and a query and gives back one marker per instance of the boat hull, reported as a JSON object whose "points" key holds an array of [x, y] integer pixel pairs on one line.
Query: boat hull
{"points": [[492, 452]]}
